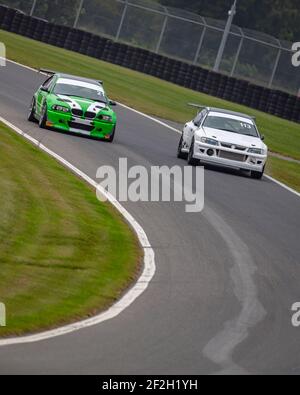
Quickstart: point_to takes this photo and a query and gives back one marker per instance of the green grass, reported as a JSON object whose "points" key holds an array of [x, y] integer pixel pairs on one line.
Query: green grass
{"points": [[145, 93], [63, 254], [285, 171]]}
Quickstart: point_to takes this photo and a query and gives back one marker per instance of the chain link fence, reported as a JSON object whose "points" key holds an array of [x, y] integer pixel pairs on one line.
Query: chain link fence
{"points": [[175, 33]]}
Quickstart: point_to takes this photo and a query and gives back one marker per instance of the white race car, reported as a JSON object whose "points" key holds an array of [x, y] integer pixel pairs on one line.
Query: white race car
{"points": [[226, 139]]}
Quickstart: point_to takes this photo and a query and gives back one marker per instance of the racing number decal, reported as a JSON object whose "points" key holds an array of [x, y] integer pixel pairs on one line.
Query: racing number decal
{"points": [[245, 125]]}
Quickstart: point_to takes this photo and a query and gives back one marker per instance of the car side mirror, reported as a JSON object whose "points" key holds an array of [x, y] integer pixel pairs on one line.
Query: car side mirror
{"points": [[112, 103], [43, 89], [262, 137]]}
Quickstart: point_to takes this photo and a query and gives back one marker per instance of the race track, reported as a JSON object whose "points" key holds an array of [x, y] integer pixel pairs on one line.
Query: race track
{"points": [[226, 279]]}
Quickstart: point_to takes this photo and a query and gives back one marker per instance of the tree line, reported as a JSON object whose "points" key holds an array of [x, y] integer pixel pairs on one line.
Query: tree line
{"points": [[279, 18]]}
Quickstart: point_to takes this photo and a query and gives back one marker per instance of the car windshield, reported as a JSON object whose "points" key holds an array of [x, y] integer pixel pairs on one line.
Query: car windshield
{"points": [[80, 91], [231, 125]]}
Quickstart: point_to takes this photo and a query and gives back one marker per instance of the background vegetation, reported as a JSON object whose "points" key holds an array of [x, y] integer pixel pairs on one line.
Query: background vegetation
{"points": [[279, 18]]}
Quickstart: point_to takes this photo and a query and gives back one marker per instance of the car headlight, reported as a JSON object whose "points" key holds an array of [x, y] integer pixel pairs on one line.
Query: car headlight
{"points": [[106, 118], [60, 108], [209, 141], [256, 151]]}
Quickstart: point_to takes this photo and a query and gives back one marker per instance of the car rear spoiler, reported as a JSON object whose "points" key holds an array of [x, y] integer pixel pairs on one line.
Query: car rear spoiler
{"points": [[48, 72], [51, 72], [198, 106], [201, 107]]}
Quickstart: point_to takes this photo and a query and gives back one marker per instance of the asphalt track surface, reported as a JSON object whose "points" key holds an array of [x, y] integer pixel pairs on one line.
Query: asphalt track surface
{"points": [[226, 278]]}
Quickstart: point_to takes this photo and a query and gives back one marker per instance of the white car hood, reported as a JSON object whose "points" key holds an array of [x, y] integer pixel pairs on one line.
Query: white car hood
{"points": [[233, 138]]}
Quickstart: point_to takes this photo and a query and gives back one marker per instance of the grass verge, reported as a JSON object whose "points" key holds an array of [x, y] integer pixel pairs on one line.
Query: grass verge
{"points": [[285, 171], [58, 256]]}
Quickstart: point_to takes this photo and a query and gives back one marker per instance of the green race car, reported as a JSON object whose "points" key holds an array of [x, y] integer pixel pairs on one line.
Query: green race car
{"points": [[74, 104]]}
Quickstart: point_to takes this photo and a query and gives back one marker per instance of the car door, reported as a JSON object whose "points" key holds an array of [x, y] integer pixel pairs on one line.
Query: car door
{"points": [[191, 127], [42, 93]]}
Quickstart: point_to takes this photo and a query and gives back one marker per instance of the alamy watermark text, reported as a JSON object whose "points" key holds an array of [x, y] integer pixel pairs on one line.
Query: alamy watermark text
{"points": [[296, 55], [157, 184], [296, 315]]}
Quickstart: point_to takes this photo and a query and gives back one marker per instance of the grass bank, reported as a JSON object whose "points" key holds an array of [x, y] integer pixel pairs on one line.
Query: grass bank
{"points": [[285, 171], [63, 254]]}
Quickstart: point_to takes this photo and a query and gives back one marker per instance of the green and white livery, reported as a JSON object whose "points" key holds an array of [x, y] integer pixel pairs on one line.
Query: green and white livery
{"points": [[74, 104]]}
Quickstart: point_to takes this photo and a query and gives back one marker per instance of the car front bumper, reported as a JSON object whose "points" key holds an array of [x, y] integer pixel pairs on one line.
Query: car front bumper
{"points": [[88, 127], [231, 158]]}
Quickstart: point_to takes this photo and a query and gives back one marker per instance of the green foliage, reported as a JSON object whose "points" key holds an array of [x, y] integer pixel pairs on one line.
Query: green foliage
{"points": [[61, 12], [23, 5], [279, 18]]}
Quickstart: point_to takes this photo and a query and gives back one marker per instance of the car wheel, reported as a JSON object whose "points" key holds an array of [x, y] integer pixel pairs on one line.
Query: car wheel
{"points": [[43, 118], [112, 136], [31, 114], [257, 175], [191, 160], [180, 154]]}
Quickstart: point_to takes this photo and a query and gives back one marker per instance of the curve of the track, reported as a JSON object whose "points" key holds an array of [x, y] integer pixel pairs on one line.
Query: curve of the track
{"points": [[226, 278]]}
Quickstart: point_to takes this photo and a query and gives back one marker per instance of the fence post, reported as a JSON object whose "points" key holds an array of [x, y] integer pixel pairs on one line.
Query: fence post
{"points": [[78, 14], [275, 66], [231, 14], [237, 53], [122, 20], [200, 42], [33, 7], [162, 31]]}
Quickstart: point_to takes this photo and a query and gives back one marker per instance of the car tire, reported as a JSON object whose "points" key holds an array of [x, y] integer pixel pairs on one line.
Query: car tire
{"points": [[112, 136], [43, 118], [191, 160], [31, 115], [180, 154], [257, 175]]}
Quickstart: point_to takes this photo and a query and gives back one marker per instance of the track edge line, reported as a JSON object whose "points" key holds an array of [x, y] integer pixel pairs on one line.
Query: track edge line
{"points": [[130, 296]]}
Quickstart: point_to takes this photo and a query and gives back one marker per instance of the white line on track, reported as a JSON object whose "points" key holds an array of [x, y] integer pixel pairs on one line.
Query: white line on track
{"points": [[283, 185], [140, 286], [151, 118]]}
